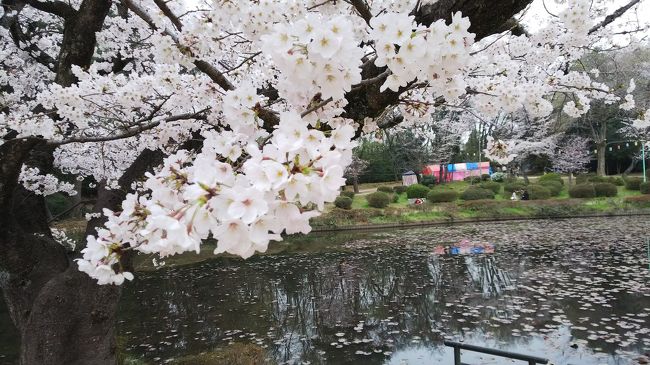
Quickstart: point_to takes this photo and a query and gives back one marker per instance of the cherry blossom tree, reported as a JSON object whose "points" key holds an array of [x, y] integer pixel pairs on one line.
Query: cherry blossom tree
{"points": [[571, 156], [231, 120], [355, 169]]}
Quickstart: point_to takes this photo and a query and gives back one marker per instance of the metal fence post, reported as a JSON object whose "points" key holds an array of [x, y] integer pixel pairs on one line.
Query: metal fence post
{"points": [[457, 355]]}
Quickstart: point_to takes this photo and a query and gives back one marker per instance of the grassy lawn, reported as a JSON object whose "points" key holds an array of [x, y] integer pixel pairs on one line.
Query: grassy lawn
{"points": [[501, 206]]}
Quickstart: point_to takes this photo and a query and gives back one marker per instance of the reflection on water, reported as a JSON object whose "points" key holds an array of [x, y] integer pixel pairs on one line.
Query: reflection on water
{"points": [[575, 291]]}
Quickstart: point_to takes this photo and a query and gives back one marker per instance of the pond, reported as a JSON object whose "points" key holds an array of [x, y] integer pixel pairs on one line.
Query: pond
{"points": [[575, 291]]}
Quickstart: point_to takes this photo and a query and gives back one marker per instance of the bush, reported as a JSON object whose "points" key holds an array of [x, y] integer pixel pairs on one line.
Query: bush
{"points": [[385, 189], [605, 189], [343, 202], [349, 194], [442, 196], [538, 192], [498, 177], [417, 191], [582, 191], [513, 186], [399, 189], [394, 197], [552, 176], [472, 179], [474, 193], [491, 185], [378, 199], [428, 180], [616, 180], [644, 187], [583, 178], [633, 183], [485, 177], [597, 179], [553, 186]]}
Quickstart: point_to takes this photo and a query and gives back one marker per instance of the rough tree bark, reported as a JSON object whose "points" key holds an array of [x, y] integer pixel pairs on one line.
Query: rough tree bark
{"points": [[600, 153]]}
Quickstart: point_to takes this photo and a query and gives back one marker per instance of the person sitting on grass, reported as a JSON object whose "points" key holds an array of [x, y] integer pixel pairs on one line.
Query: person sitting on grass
{"points": [[524, 195], [514, 196]]}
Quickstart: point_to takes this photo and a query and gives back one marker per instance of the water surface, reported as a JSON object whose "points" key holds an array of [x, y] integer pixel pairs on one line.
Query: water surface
{"points": [[576, 291]]}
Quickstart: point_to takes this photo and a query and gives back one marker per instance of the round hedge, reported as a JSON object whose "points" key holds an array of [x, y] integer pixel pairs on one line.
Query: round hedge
{"points": [[399, 189], [416, 191], [475, 193], [513, 186], [472, 179], [538, 192], [428, 180], [553, 186], [616, 180], [343, 202], [633, 183], [491, 185], [378, 199], [385, 189], [442, 196], [644, 187], [605, 189], [349, 194], [485, 177], [582, 191], [552, 176]]}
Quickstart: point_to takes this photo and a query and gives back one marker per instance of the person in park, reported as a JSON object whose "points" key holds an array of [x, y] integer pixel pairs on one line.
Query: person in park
{"points": [[234, 120], [524, 195]]}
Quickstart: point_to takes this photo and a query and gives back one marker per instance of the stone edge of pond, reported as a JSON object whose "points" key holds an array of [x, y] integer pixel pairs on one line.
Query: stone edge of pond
{"points": [[451, 221]]}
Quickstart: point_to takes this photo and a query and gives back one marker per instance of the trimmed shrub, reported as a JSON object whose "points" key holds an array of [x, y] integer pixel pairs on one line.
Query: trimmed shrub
{"points": [[428, 180], [513, 186], [394, 197], [349, 194], [605, 189], [552, 176], [442, 196], [498, 177], [417, 191], [378, 199], [385, 189], [485, 177], [474, 193], [553, 186], [491, 185], [616, 180], [399, 189], [538, 192], [582, 191], [633, 183], [343, 202], [644, 187], [472, 179], [583, 178]]}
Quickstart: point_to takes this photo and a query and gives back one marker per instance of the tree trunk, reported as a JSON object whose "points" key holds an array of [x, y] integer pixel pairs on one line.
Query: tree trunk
{"points": [[570, 178], [601, 147], [632, 165], [355, 184], [62, 315]]}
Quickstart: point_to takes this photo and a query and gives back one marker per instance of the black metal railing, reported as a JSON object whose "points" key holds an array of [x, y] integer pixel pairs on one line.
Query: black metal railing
{"points": [[532, 360]]}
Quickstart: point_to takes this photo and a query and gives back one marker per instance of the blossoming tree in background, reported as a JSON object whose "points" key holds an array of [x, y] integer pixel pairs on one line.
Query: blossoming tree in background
{"points": [[571, 156], [232, 120]]}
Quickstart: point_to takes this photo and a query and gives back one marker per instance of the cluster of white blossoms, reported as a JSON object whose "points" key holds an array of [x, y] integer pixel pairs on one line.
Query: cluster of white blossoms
{"points": [[314, 55], [437, 53], [243, 200], [48, 184]]}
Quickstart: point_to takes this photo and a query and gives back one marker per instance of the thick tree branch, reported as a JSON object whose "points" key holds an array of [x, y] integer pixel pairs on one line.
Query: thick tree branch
{"points": [[613, 16], [130, 132], [58, 8], [363, 9]]}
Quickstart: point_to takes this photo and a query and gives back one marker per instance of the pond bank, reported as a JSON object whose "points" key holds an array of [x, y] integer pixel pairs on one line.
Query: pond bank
{"points": [[451, 220]]}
